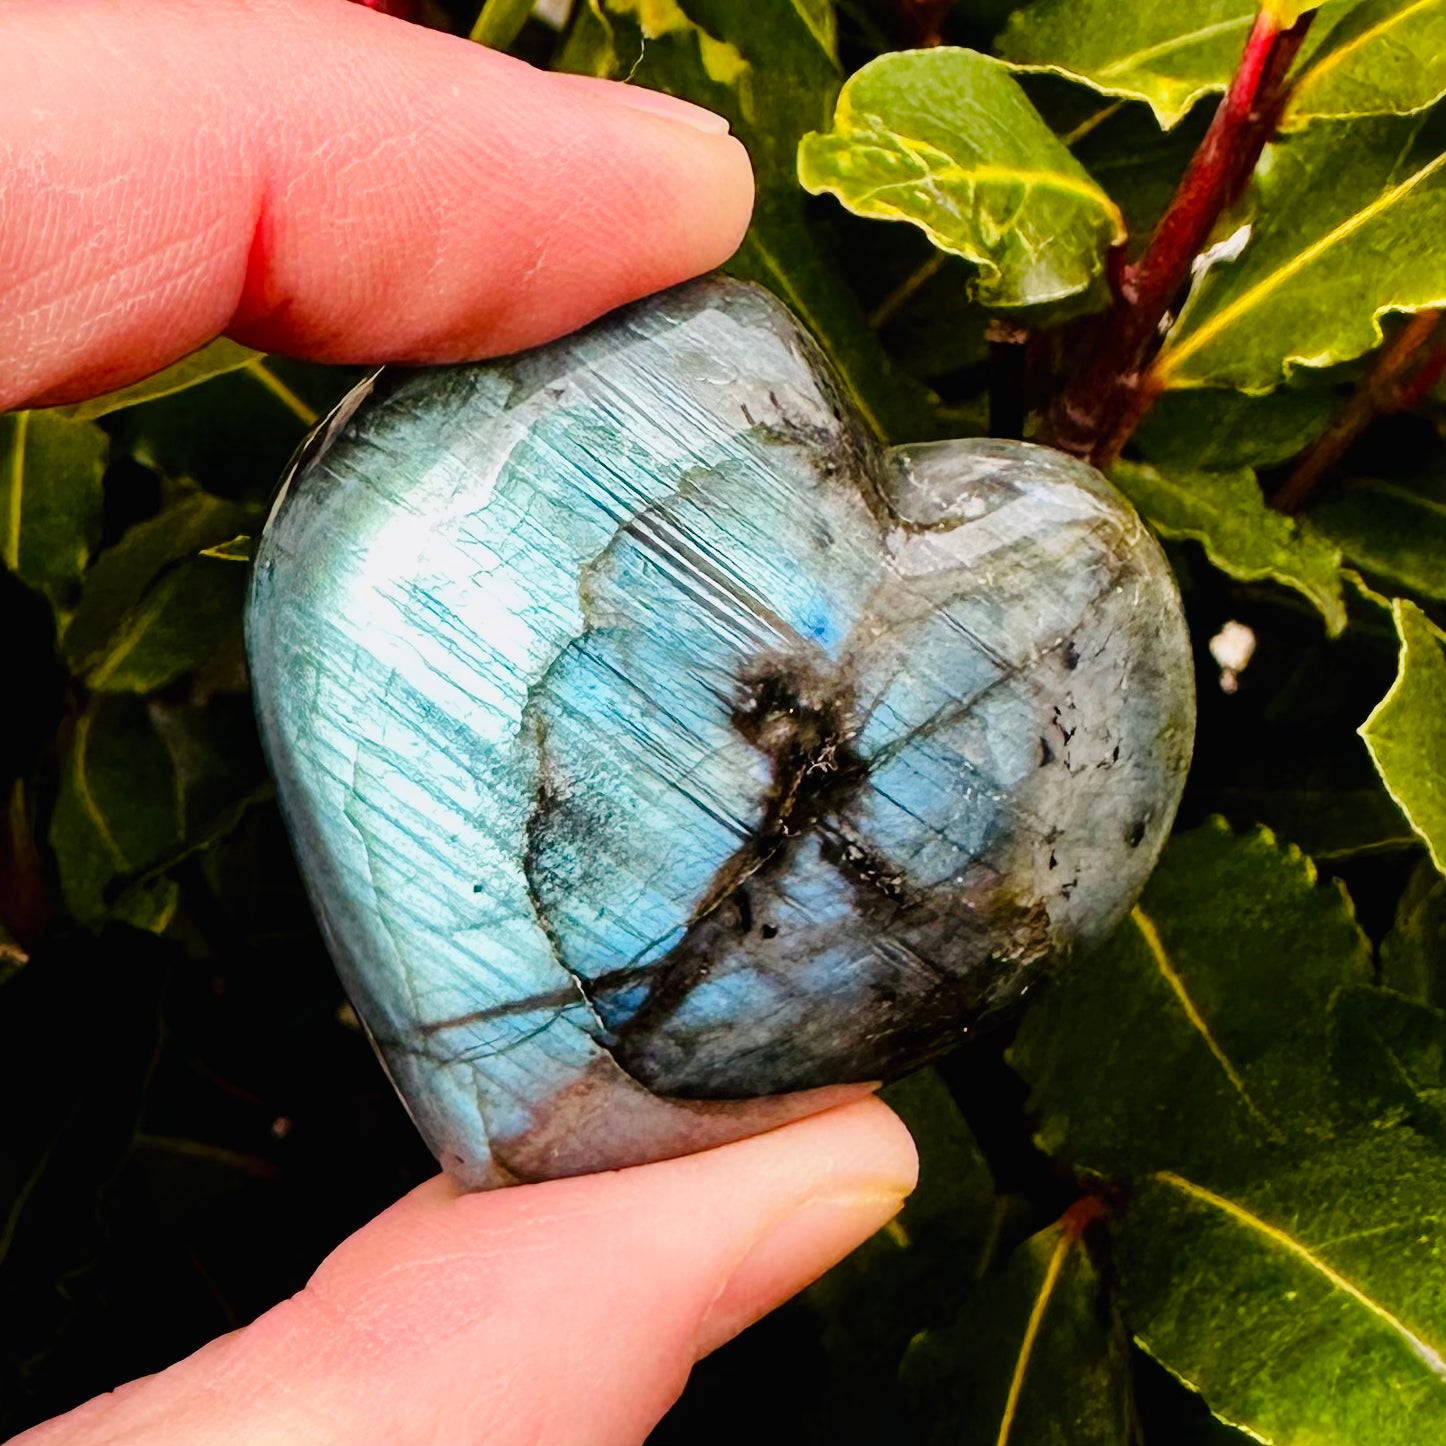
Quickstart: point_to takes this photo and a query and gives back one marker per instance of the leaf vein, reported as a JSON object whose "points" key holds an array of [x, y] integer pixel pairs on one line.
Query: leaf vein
{"points": [[1177, 42], [1031, 1334], [17, 489], [1426, 1353], [1334, 58], [1171, 359], [1171, 976]]}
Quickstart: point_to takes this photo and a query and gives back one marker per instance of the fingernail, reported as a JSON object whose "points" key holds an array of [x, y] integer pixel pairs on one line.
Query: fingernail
{"points": [[650, 102], [793, 1252], [656, 102]]}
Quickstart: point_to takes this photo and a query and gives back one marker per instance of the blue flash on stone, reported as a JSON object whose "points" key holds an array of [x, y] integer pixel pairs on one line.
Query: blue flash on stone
{"points": [[665, 759]]}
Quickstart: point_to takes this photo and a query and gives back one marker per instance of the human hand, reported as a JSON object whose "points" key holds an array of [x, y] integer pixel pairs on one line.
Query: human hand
{"points": [[313, 178]]}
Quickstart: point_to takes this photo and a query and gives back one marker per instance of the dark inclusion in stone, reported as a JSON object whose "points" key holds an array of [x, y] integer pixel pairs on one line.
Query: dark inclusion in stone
{"points": [[664, 757]]}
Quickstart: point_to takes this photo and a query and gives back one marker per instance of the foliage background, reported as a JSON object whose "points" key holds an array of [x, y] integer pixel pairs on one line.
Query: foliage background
{"points": [[1200, 1182]]}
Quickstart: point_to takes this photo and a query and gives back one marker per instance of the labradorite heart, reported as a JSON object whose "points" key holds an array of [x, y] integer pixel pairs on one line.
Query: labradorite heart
{"points": [[662, 755]]}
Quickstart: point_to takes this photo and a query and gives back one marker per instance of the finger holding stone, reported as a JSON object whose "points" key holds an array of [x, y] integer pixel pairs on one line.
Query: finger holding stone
{"points": [[314, 177], [561, 1314]]}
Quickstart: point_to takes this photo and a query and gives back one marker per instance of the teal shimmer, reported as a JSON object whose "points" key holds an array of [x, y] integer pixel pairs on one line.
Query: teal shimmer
{"points": [[662, 755]]}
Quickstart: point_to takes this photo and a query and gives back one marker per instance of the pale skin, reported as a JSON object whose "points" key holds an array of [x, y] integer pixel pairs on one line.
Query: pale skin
{"points": [[309, 177]]}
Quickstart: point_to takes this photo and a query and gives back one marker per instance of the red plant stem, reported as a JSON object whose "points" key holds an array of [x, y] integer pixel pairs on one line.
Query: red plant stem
{"points": [[1098, 410], [1393, 385]]}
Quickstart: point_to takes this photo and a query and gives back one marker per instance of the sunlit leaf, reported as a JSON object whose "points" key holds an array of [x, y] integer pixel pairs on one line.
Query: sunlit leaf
{"points": [[1196, 1038], [1336, 244], [1166, 55], [947, 140], [1384, 57], [1406, 734], [1306, 1306], [1227, 514]]}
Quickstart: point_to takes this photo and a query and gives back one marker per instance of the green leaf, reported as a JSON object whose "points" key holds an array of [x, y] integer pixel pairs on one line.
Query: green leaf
{"points": [[118, 810], [1168, 56], [1396, 533], [500, 21], [1413, 954], [770, 69], [233, 432], [151, 609], [50, 499], [947, 140], [1389, 1054], [1136, 163], [1307, 1306], [1035, 1358], [182, 620], [1406, 732], [1336, 244], [1196, 1038], [1226, 513], [213, 360], [1329, 821], [1212, 429], [1383, 57]]}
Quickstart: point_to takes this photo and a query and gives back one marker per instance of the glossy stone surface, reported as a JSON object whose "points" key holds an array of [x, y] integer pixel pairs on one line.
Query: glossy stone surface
{"points": [[662, 755]]}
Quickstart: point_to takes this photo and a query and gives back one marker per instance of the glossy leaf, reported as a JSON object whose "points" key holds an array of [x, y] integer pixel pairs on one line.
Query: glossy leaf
{"points": [[150, 608], [1306, 1306], [1165, 55], [1035, 1358], [1384, 57], [1395, 533], [1195, 1039], [1406, 734], [947, 140], [119, 809], [1211, 429], [50, 499], [1227, 514], [213, 360], [1336, 244], [772, 72]]}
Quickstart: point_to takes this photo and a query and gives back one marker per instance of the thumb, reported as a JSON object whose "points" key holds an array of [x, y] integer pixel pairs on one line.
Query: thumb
{"points": [[315, 177], [560, 1314]]}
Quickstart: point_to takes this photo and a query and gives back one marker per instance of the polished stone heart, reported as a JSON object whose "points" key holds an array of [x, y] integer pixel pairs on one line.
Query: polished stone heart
{"points": [[664, 758]]}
